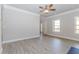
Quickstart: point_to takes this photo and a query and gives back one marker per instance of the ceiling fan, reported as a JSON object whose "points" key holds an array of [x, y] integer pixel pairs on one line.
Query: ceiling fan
{"points": [[47, 8]]}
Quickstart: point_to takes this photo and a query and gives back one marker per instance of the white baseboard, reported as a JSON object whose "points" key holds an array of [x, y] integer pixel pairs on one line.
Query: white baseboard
{"points": [[14, 40], [64, 37]]}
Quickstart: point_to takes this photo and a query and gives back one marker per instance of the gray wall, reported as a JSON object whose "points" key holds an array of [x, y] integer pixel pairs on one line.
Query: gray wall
{"points": [[67, 25], [19, 24]]}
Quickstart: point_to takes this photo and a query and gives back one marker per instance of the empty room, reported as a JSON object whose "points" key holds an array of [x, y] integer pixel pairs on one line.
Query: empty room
{"points": [[39, 28]]}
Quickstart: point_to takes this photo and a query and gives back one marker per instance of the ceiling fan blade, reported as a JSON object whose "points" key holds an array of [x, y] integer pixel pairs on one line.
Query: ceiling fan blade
{"points": [[51, 5], [52, 9], [41, 7]]}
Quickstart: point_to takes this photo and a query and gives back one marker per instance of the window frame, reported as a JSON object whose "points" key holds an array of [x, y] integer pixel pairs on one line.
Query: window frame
{"points": [[54, 25], [76, 25]]}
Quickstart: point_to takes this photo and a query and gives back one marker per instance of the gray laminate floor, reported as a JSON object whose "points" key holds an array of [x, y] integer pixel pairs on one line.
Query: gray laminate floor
{"points": [[41, 45]]}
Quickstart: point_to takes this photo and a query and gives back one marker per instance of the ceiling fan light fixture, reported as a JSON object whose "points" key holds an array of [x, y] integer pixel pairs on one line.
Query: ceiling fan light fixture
{"points": [[48, 8], [46, 11]]}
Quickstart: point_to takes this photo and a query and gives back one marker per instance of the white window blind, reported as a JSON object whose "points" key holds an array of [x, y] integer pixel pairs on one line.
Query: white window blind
{"points": [[56, 26], [77, 25]]}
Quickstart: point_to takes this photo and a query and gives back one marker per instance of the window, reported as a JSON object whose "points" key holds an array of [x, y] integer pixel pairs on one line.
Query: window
{"points": [[77, 25], [56, 26]]}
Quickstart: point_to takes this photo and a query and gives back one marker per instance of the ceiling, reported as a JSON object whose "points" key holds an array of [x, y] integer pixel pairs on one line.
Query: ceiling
{"points": [[35, 8]]}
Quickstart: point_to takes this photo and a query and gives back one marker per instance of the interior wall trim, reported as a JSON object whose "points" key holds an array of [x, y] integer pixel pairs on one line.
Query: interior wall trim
{"points": [[66, 12], [18, 9], [63, 37], [15, 40]]}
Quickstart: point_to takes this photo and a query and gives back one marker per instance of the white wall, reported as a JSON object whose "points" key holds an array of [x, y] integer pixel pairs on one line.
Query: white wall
{"points": [[19, 24], [67, 25], [0, 30]]}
